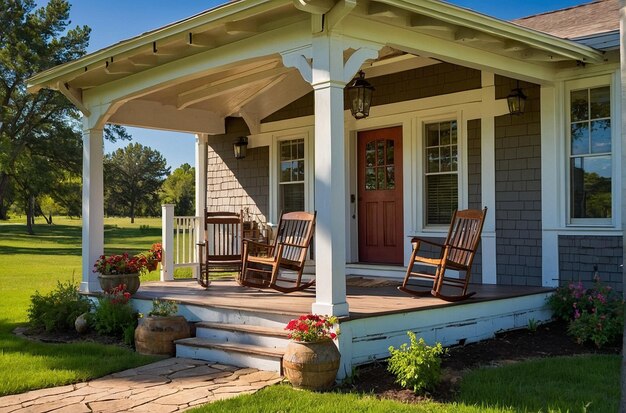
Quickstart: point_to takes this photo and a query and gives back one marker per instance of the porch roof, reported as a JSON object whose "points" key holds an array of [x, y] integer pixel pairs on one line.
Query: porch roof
{"points": [[280, 24]]}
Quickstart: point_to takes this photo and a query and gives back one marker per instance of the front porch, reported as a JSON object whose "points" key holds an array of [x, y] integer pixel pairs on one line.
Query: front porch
{"points": [[379, 316]]}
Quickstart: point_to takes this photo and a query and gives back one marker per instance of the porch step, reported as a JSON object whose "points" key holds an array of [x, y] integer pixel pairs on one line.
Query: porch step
{"points": [[243, 334], [235, 354]]}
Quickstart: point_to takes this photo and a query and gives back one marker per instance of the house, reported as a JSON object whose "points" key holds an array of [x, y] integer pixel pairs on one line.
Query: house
{"points": [[439, 136]]}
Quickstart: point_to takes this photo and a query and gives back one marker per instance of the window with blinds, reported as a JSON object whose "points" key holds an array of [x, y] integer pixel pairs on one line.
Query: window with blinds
{"points": [[291, 182], [441, 181]]}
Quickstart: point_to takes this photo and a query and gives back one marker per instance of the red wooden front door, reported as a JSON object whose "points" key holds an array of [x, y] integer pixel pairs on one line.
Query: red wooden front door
{"points": [[380, 196]]}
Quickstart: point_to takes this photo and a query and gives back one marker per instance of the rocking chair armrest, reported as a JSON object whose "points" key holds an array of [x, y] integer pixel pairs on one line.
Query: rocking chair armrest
{"points": [[258, 244], [287, 244], [425, 241], [452, 247]]}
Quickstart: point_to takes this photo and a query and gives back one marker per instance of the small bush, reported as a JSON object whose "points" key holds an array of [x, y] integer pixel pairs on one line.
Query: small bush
{"points": [[595, 314], [416, 366], [162, 308], [114, 316], [57, 311]]}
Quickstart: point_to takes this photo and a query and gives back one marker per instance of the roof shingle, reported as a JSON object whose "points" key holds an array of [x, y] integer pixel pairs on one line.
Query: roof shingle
{"points": [[587, 19]]}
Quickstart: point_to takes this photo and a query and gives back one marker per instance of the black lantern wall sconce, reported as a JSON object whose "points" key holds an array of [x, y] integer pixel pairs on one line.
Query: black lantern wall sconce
{"points": [[240, 147], [360, 96], [516, 101]]}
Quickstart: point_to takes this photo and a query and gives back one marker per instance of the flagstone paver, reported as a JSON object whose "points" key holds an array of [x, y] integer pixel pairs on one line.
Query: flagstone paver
{"points": [[170, 385]]}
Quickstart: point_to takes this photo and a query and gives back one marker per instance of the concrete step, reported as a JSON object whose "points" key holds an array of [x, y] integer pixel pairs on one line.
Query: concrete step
{"points": [[243, 334], [235, 354]]}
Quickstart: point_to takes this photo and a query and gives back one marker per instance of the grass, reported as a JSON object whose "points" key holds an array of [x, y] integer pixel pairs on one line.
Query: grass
{"points": [[35, 263], [584, 384], [284, 399], [561, 384]]}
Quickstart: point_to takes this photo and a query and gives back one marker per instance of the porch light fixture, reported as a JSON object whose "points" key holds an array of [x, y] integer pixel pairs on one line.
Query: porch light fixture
{"points": [[240, 147], [516, 101], [360, 96]]}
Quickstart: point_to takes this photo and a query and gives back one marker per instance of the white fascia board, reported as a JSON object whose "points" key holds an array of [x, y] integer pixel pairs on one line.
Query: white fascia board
{"points": [[234, 10], [160, 77], [430, 46], [486, 24]]}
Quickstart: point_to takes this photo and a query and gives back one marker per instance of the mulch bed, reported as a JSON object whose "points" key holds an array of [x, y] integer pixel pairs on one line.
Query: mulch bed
{"points": [[547, 341], [59, 337]]}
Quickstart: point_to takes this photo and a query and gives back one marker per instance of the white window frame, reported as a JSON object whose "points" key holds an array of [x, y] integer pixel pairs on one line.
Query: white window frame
{"points": [[309, 150], [590, 83], [421, 167]]}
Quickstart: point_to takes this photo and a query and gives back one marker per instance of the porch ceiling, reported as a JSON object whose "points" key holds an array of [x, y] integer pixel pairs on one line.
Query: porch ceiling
{"points": [[198, 71]]}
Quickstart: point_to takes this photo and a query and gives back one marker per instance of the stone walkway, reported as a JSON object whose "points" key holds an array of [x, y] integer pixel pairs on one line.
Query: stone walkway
{"points": [[170, 385]]}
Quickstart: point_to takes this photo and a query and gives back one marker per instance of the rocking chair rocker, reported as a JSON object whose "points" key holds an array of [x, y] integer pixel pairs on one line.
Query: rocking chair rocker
{"points": [[285, 257], [456, 253]]}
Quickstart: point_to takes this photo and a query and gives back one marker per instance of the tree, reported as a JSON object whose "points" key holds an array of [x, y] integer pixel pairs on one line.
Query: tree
{"points": [[180, 188], [32, 41], [133, 175]]}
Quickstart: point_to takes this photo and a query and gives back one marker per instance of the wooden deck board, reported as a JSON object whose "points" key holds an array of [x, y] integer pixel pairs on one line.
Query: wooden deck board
{"points": [[363, 301]]}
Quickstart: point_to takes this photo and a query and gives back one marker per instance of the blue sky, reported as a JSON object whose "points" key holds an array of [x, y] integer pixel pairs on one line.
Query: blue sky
{"points": [[115, 20]]}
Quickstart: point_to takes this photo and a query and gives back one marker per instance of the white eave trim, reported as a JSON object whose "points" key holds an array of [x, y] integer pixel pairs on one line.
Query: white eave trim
{"points": [[486, 24], [48, 77]]}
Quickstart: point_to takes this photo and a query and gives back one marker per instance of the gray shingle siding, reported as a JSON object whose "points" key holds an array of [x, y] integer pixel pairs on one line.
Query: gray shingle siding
{"points": [[473, 184], [233, 185], [579, 256], [518, 189]]}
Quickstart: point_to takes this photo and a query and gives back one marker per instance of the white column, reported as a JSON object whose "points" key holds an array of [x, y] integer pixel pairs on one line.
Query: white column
{"points": [[167, 230], [550, 177], [330, 182], [201, 188], [488, 180], [93, 206]]}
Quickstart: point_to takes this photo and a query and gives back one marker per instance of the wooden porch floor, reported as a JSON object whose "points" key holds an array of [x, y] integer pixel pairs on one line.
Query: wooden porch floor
{"points": [[366, 297]]}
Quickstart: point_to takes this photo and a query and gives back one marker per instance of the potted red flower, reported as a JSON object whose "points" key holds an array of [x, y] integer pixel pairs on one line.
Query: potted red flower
{"points": [[153, 257], [311, 360], [120, 269]]}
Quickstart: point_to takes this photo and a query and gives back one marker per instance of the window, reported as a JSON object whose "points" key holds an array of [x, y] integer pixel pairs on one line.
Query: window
{"points": [[590, 163], [441, 181], [291, 182]]}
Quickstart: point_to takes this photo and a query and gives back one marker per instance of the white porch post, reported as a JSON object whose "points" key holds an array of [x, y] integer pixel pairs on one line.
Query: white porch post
{"points": [[330, 177], [167, 230], [93, 206], [201, 183]]}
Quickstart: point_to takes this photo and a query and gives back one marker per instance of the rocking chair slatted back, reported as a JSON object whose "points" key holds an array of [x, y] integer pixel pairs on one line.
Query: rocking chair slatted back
{"points": [[295, 230], [223, 244], [464, 236]]}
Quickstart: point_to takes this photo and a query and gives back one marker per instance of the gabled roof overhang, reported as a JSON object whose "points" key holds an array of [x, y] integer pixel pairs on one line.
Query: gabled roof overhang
{"points": [[239, 24]]}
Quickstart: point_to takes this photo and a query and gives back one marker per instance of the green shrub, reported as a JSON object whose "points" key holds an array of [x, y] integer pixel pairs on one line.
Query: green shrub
{"points": [[114, 316], [58, 309], [416, 366], [163, 308], [595, 314]]}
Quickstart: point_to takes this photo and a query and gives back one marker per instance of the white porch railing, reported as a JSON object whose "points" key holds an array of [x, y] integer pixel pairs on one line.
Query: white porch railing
{"points": [[179, 238]]}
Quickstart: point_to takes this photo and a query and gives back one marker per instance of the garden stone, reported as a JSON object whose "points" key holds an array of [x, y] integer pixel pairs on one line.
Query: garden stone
{"points": [[81, 324]]}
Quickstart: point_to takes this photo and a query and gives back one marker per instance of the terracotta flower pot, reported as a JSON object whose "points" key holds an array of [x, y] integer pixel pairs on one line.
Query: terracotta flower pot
{"points": [[109, 281], [311, 366], [156, 335]]}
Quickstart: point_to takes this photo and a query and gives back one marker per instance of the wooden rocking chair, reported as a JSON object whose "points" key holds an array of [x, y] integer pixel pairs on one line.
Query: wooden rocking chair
{"points": [[222, 246], [456, 253], [285, 257]]}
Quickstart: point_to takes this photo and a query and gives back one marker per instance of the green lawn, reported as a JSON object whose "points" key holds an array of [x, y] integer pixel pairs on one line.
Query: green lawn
{"points": [[30, 263], [581, 384]]}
